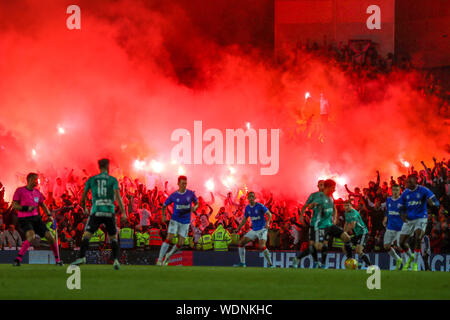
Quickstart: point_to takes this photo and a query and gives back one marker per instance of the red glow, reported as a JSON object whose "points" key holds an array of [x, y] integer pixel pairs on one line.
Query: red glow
{"points": [[115, 85]]}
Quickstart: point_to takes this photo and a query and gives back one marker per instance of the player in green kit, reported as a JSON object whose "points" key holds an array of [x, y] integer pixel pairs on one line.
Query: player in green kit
{"points": [[311, 248], [325, 223], [353, 221], [105, 190]]}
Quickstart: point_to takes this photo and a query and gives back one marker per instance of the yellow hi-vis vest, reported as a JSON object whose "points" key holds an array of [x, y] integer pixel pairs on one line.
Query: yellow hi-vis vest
{"points": [[206, 242], [221, 239], [126, 233], [142, 239], [175, 239]]}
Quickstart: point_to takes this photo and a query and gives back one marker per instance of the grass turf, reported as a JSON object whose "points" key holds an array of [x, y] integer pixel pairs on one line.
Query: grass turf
{"points": [[210, 283]]}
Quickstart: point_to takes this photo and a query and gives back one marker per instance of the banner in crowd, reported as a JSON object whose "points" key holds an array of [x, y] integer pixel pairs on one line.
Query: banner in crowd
{"points": [[281, 259]]}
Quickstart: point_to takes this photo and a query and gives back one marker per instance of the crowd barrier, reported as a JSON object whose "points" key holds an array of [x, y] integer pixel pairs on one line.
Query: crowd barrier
{"points": [[281, 259]]}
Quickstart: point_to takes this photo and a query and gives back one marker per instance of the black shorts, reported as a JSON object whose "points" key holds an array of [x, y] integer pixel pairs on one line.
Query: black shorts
{"points": [[360, 239], [34, 223], [324, 234], [98, 218]]}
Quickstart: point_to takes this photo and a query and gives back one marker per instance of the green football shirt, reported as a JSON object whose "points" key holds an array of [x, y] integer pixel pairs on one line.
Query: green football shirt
{"points": [[326, 207], [314, 197], [102, 187], [360, 227]]}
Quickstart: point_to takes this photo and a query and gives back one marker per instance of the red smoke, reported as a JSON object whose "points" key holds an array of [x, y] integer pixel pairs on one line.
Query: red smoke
{"points": [[137, 71]]}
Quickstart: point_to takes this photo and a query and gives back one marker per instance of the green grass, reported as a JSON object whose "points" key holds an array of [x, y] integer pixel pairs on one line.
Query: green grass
{"points": [[209, 283]]}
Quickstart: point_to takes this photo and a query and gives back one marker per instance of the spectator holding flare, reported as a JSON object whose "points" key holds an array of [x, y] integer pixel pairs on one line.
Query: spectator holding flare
{"points": [[26, 201], [257, 212], [179, 222]]}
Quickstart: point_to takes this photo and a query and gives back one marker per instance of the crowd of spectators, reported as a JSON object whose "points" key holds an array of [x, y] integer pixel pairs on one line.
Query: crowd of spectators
{"points": [[144, 212], [367, 70]]}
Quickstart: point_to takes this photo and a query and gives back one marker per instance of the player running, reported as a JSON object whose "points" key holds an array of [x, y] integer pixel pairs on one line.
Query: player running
{"points": [[414, 204], [393, 223], [179, 222], [26, 201], [257, 213], [311, 250], [325, 226], [354, 222], [104, 189]]}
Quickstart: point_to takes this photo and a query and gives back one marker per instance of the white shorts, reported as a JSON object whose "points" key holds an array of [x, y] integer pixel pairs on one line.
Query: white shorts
{"points": [[412, 225], [390, 236], [181, 229], [260, 234]]}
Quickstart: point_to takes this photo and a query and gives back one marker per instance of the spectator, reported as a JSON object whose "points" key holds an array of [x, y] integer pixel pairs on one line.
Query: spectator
{"points": [[13, 239], [144, 217]]}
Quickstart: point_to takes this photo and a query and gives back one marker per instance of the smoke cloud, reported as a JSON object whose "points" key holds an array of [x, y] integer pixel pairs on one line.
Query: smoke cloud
{"points": [[137, 71]]}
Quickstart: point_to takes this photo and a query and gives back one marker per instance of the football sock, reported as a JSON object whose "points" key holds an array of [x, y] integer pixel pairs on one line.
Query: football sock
{"points": [[55, 252], [267, 256], [242, 254], [115, 249], [417, 253], [164, 247], [174, 249], [348, 250], [404, 257], [84, 246], [408, 252], [364, 257], [393, 254], [324, 254], [25, 245]]}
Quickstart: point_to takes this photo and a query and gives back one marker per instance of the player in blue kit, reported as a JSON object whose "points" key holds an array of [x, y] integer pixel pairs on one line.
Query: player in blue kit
{"points": [[393, 223], [181, 218], [257, 213], [414, 214]]}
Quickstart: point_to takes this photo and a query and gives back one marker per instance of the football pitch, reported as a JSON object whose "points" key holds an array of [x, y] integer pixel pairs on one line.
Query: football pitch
{"points": [[212, 283]]}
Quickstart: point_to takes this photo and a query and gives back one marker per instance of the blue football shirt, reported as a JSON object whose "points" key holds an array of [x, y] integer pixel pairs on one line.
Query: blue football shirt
{"points": [[256, 214], [394, 220], [182, 204], [415, 202]]}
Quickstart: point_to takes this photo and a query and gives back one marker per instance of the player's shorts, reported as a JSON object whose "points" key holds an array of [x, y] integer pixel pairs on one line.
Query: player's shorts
{"points": [[390, 236], [411, 226], [324, 234], [98, 218], [260, 234], [176, 227], [34, 223], [360, 239], [312, 235], [425, 246]]}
